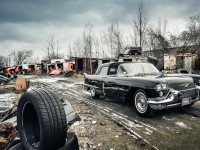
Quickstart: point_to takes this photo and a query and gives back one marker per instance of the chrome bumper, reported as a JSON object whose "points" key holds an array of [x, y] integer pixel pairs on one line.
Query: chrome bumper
{"points": [[170, 100]]}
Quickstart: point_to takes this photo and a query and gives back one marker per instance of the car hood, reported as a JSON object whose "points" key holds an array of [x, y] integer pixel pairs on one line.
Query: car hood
{"points": [[175, 79], [177, 83], [165, 78], [196, 77]]}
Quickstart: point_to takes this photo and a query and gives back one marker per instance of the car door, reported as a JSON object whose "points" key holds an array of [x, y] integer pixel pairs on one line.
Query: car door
{"points": [[122, 87], [110, 83], [101, 77]]}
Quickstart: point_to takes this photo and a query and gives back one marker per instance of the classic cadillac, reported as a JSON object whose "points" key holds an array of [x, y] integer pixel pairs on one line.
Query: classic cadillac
{"points": [[143, 86]]}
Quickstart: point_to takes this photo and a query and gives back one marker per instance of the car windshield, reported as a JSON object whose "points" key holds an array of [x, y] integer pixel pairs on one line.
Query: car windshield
{"points": [[139, 68]]}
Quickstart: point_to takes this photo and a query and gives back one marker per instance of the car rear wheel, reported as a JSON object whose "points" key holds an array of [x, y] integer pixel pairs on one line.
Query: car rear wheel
{"points": [[141, 105], [94, 93]]}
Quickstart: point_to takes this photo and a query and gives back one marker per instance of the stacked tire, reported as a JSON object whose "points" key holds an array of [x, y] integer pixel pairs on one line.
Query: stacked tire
{"points": [[42, 124]]}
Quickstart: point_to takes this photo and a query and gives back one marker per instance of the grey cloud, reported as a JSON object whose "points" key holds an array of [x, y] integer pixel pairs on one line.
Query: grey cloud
{"points": [[69, 10], [62, 10], [30, 21]]}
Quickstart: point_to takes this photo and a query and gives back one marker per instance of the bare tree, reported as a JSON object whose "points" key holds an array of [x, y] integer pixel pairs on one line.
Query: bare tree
{"points": [[2, 61], [114, 39], [158, 41], [5, 61], [140, 21], [109, 40], [88, 43], [174, 40], [69, 51], [52, 48], [134, 36], [57, 49], [96, 44], [20, 57], [102, 45], [78, 48], [8, 61], [191, 36]]}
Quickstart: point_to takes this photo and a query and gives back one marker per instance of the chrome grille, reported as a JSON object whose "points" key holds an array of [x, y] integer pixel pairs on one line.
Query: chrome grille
{"points": [[189, 93], [181, 86]]}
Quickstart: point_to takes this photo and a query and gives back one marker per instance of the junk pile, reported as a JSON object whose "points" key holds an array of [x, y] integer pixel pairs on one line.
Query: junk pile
{"points": [[69, 72], [56, 72], [38, 111], [17, 84], [180, 62], [7, 134], [9, 72]]}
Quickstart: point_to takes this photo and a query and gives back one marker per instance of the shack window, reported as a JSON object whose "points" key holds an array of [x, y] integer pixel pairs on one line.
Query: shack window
{"points": [[104, 71]]}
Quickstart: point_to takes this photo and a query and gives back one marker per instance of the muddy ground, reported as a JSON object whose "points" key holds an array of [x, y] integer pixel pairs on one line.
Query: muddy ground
{"points": [[95, 130], [110, 125]]}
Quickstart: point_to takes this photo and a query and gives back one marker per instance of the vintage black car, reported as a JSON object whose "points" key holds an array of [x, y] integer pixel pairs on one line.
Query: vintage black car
{"points": [[143, 86]]}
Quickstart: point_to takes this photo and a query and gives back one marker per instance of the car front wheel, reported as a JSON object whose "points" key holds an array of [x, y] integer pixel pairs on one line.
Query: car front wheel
{"points": [[94, 93], [141, 105]]}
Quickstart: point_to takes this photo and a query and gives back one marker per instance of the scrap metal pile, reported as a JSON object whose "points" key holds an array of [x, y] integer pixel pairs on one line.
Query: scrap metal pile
{"points": [[36, 111]]}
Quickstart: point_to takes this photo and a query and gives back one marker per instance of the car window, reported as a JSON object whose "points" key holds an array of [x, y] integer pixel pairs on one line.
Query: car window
{"points": [[104, 71], [120, 70], [135, 68], [112, 71]]}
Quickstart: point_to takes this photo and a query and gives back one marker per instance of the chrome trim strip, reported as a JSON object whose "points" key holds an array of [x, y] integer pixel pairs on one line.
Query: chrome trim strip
{"points": [[169, 100], [166, 98], [88, 85], [173, 105]]}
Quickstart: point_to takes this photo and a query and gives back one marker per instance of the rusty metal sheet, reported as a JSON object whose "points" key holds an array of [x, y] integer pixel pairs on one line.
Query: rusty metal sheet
{"points": [[169, 62]]}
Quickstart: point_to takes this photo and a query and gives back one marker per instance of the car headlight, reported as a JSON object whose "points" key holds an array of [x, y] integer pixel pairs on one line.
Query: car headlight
{"points": [[162, 86], [197, 82], [159, 87]]}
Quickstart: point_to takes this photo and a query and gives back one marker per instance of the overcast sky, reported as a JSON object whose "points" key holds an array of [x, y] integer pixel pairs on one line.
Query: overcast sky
{"points": [[26, 24]]}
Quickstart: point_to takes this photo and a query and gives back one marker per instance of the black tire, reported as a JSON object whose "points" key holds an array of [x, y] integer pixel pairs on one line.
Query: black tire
{"points": [[140, 103], [41, 120], [72, 142], [69, 74], [15, 145], [94, 93]]}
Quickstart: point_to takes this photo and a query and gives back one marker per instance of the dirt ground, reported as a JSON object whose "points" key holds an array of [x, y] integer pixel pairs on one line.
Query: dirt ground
{"points": [[110, 125], [96, 130]]}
